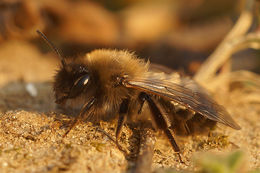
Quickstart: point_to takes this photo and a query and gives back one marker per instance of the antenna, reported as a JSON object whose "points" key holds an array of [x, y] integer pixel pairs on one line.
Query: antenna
{"points": [[52, 46]]}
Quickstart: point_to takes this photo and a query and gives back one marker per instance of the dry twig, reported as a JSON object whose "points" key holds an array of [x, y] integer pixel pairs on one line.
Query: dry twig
{"points": [[230, 44], [147, 142]]}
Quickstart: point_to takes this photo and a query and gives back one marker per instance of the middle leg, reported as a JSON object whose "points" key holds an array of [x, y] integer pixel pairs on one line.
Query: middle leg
{"points": [[123, 110], [160, 121]]}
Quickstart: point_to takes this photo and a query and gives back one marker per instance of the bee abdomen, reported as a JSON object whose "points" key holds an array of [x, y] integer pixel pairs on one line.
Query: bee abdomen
{"points": [[187, 123]]}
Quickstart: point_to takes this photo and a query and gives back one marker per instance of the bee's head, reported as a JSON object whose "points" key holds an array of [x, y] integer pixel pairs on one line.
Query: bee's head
{"points": [[72, 78], [70, 81]]}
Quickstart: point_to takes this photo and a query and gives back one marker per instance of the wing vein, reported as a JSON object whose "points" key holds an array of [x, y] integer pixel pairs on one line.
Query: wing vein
{"points": [[192, 98]]}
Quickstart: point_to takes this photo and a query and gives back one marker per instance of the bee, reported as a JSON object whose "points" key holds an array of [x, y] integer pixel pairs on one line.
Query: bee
{"points": [[115, 83]]}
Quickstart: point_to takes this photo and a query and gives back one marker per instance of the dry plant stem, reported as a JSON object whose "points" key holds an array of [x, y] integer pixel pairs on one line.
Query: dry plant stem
{"points": [[251, 40], [223, 51], [244, 77], [147, 142], [226, 68]]}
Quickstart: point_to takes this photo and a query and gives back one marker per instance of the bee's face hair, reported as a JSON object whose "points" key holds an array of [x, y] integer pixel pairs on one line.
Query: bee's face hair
{"points": [[70, 81]]}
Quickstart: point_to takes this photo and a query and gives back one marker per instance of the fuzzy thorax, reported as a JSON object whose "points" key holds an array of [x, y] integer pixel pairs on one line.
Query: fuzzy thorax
{"points": [[111, 63], [107, 66]]}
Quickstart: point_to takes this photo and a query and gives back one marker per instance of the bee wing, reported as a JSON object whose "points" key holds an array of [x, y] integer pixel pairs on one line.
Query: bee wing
{"points": [[187, 93]]}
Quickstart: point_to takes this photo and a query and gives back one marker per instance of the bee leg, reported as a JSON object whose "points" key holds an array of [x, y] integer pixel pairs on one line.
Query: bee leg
{"points": [[84, 109], [161, 122], [141, 100], [123, 110], [188, 132]]}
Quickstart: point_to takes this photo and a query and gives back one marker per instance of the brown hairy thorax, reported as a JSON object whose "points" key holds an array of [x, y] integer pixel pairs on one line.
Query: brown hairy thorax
{"points": [[103, 68]]}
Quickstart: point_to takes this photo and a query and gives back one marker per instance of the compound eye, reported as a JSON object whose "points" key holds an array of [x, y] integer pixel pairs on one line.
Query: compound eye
{"points": [[79, 86]]}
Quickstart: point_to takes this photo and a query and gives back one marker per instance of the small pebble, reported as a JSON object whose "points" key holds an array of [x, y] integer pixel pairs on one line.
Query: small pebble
{"points": [[31, 89]]}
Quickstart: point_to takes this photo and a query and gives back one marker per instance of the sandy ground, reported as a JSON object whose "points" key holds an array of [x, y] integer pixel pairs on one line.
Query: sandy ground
{"points": [[31, 127]]}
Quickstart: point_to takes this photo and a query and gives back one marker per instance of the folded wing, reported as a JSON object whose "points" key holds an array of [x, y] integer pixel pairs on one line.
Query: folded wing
{"points": [[185, 92]]}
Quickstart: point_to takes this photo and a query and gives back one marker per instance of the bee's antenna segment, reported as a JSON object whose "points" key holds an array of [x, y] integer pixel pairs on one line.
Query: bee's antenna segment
{"points": [[52, 46]]}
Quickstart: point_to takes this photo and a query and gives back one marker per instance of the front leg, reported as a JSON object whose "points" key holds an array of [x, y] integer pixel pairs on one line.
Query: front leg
{"points": [[83, 111], [160, 121], [123, 110]]}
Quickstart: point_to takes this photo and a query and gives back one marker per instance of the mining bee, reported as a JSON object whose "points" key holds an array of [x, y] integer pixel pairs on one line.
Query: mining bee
{"points": [[115, 83]]}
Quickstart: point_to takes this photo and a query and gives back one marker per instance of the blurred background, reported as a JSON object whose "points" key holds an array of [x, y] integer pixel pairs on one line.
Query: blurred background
{"points": [[177, 34]]}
